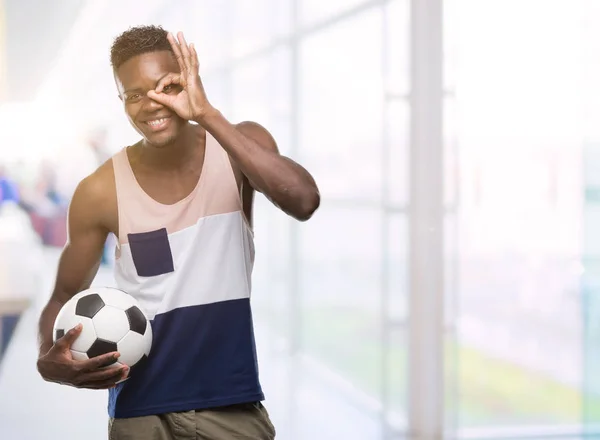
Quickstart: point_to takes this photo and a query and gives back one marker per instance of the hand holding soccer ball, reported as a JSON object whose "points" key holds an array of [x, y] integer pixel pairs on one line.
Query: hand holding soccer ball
{"points": [[99, 334]]}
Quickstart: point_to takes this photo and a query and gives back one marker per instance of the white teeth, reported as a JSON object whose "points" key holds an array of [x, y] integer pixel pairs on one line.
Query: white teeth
{"points": [[156, 122]]}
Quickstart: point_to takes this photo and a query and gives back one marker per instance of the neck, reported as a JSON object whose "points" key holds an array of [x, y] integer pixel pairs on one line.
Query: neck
{"points": [[175, 154]]}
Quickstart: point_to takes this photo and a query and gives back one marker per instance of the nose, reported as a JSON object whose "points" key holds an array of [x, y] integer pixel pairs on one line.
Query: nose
{"points": [[151, 105]]}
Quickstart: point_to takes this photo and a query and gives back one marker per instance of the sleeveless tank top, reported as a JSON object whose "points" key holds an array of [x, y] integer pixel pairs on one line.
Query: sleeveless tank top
{"points": [[189, 265]]}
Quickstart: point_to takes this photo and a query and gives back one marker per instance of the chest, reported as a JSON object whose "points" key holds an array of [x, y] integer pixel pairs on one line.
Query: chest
{"points": [[148, 198], [169, 188], [168, 185]]}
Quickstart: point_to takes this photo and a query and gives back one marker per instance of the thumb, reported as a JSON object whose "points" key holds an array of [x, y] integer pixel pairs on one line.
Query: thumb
{"points": [[69, 338]]}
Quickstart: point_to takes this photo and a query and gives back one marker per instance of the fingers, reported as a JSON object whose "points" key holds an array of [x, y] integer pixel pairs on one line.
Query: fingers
{"points": [[186, 55], [105, 385], [162, 98], [177, 52], [185, 51], [109, 375], [69, 338], [171, 78], [194, 58], [101, 384], [166, 98], [98, 362]]}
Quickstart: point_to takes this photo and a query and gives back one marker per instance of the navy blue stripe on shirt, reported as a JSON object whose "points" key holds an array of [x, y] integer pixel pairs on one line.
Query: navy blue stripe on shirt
{"points": [[202, 357]]}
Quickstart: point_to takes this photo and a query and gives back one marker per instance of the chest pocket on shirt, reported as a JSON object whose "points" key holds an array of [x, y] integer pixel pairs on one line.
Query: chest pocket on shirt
{"points": [[151, 253]]}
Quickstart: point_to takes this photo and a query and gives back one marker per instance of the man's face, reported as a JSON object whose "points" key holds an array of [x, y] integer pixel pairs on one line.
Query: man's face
{"points": [[158, 124]]}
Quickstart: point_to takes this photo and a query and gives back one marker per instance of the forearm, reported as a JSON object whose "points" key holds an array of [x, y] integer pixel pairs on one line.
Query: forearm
{"points": [[286, 183], [46, 325]]}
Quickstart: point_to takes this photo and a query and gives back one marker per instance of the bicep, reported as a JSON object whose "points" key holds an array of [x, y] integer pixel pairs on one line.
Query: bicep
{"points": [[259, 134], [81, 256], [261, 137]]}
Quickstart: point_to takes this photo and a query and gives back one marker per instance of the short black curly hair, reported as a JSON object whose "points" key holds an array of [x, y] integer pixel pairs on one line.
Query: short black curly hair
{"points": [[136, 41]]}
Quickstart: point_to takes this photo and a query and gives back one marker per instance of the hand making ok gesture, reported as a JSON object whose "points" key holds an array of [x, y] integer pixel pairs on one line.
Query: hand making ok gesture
{"points": [[183, 92]]}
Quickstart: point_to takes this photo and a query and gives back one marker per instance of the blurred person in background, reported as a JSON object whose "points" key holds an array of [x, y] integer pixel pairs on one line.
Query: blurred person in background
{"points": [[9, 190], [46, 206], [179, 203], [97, 142]]}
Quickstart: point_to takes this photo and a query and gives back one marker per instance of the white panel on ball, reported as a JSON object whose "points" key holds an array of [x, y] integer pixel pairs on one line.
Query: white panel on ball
{"points": [[134, 346], [116, 298], [111, 324], [78, 356]]}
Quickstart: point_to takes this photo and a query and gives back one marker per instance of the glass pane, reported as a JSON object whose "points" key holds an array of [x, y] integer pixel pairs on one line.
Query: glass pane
{"points": [[396, 379], [398, 133], [450, 48], [257, 23], [340, 275], [451, 153], [396, 310], [204, 23], [451, 269], [272, 276], [591, 210], [591, 69], [218, 90], [397, 25], [519, 358], [591, 311], [341, 107], [317, 10], [396, 265], [250, 90], [451, 342], [262, 93]]}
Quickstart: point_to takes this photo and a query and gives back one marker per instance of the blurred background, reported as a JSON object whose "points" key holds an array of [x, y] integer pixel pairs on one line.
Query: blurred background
{"points": [[448, 287]]}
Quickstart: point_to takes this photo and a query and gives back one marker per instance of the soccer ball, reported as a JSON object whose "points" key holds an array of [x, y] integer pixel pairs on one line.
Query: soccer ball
{"points": [[112, 321]]}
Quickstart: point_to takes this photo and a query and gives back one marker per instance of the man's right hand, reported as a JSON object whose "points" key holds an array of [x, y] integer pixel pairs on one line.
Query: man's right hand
{"points": [[58, 365]]}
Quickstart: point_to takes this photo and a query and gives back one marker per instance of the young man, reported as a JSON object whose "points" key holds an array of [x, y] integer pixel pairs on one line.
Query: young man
{"points": [[179, 203]]}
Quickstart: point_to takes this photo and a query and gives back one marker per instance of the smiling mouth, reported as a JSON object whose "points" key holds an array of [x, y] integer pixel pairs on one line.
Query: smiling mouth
{"points": [[157, 124]]}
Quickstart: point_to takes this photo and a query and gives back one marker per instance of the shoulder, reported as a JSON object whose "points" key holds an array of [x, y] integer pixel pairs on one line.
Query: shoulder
{"points": [[94, 198], [97, 186], [258, 134]]}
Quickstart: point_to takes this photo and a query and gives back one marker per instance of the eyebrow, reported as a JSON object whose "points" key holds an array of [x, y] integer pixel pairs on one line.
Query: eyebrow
{"points": [[139, 90], [128, 91]]}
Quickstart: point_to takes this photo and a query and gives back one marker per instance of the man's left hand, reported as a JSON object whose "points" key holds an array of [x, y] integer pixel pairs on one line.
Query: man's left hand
{"points": [[183, 92]]}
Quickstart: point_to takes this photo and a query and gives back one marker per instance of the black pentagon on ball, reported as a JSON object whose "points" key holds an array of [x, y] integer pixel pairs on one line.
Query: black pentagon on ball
{"points": [[59, 334], [100, 347], [139, 365], [89, 305], [137, 320]]}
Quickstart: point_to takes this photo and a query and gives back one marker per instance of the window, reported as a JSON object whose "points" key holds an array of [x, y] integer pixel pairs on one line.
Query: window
{"points": [[261, 90], [341, 258], [397, 45], [397, 154], [341, 107], [258, 23], [316, 10], [518, 351]]}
